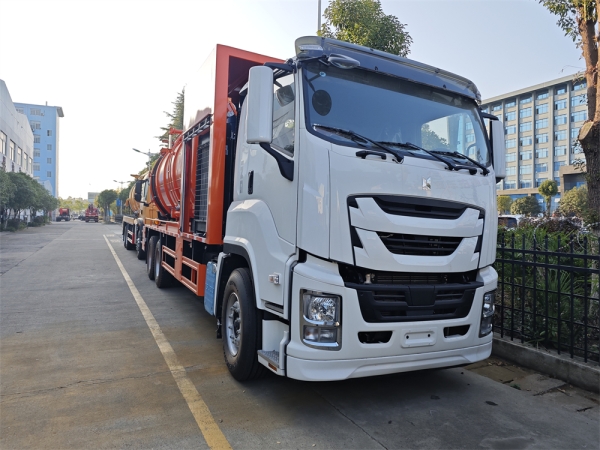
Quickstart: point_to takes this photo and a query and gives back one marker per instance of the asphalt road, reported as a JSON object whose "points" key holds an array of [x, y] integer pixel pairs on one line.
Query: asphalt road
{"points": [[80, 368]]}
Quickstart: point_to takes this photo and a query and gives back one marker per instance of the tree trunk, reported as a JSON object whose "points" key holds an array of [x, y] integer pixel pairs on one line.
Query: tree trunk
{"points": [[589, 137]]}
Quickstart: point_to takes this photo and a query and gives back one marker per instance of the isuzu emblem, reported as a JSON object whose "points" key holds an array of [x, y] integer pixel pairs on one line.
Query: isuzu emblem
{"points": [[426, 184]]}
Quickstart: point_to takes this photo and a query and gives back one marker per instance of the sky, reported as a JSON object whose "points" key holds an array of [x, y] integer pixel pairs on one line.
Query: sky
{"points": [[116, 66]]}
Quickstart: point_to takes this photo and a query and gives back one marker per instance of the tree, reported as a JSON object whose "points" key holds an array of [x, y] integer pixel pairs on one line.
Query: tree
{"points": [[176, 117], [580, 20], [527, 206], [105, 199], [363, 22], [23, 196], [504, 202], [574, 202], [430, 139], [548, 189]]}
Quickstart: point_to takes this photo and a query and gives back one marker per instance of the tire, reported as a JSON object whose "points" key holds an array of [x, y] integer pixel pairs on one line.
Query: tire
{"points": [[141, 254], [162, 278], [128, 245], [150, 257], [241, 327]]}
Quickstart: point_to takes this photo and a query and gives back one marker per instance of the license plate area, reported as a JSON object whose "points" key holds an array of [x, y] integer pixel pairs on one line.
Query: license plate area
{"points": [[418, 338]]}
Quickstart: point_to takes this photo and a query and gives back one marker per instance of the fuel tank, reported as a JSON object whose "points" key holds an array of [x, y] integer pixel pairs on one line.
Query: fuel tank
{"points": [[165, 180]]}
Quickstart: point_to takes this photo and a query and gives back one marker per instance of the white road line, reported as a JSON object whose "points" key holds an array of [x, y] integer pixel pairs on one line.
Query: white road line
{"points": [[210, 430]]}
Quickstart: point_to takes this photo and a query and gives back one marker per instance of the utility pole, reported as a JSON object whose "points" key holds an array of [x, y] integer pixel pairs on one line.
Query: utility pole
{"points": [[319, 20]]}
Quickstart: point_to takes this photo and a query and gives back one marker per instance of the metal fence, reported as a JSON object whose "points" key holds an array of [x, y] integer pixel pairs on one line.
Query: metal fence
{"points": [[548, 292]]}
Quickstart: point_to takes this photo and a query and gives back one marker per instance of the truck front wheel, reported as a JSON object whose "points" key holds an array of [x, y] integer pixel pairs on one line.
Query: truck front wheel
{"points": [[150, 257], [128, 245], [242, 336]]}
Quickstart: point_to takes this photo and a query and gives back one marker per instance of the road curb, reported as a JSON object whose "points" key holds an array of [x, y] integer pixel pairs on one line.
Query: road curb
{"points": [[571, 370]]}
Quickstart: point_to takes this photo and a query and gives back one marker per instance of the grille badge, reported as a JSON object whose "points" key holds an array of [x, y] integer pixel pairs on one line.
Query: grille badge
{"points": [[427, 184]]}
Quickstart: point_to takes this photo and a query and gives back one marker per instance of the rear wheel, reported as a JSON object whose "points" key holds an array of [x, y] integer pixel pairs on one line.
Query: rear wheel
{"points": [[150, 257], [162, 278], [242, 336]]}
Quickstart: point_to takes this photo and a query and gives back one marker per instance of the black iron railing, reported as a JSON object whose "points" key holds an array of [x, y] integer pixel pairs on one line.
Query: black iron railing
{"points": [[548, 292]]}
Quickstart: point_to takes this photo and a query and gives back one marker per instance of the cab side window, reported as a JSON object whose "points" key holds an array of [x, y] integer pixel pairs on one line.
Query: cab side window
{"points": [[283, 114]]}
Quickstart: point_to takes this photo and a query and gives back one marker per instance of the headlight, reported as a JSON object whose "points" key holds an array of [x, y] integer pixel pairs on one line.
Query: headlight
{"points": [[487, 314], [321, 327]]}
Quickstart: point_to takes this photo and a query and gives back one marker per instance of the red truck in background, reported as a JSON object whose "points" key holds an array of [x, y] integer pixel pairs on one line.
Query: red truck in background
{"points": [[63, 214], [91, 214]]}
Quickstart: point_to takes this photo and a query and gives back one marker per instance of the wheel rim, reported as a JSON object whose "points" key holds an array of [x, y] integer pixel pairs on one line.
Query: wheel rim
{"points": [[233, 324]]}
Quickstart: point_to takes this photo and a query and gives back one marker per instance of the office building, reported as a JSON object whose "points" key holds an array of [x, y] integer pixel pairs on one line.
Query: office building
{"points": [[44, 121], [541, 125], [16, 137]]}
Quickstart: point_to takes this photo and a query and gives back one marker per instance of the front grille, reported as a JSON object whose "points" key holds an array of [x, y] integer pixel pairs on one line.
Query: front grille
{"points": [[412, 244], [385, 303], [359, 275], [425, 208]]}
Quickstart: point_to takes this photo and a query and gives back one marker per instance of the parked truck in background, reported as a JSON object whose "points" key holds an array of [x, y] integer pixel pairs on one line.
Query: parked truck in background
{"points": [[143, 210], [91, 213], [336, 212], [63, 214]]}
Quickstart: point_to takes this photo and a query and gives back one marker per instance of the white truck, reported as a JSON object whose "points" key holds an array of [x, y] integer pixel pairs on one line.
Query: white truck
{"points": [[340, 219]]}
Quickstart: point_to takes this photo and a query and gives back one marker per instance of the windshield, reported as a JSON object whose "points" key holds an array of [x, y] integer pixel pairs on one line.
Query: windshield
{"points": [[391, 110]]}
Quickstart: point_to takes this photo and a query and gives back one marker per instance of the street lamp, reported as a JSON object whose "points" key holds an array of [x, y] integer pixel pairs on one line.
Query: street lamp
{"points": [[148, 153], [120, 203]]}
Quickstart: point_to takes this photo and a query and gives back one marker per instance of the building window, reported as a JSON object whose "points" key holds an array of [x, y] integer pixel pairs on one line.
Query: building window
{"points": [[19, 159], [574, 133], [525, 126], [496, 107], [510, 103], [511, 143], [560, 150], [579, 100], [525, 170], [35, 112], [539, 181], [511, 129], [557, 165], [542, 95], [36, 152], [49, 174], [541, 123], [525, 141], [579, 86], [560, 135], [49, 132], [542, 167], [560, 120], [36, 139], [468, 126], [525, 112], [541, 109], [578, 116], [30, 162], [525, 184], [11, 150], [3, 147], [561, 90], [49, 160], [35, 125], [36, 167], [49, 147], [510, 184], [560, 104], [557, 180], [19, 110], [510, 116], [470, 137], [525, 100], [510, 157], [511, 171], [525, 156], [541, 153]]}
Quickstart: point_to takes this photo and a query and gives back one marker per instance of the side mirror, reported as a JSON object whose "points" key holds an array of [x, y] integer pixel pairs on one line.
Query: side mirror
{"points": [[259, 120], [498, 149], [137, 194]]}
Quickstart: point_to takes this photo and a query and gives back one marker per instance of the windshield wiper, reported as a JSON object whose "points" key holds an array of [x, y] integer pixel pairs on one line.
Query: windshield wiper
{"points": [[355, 137], [460, 155], [449, 164]]}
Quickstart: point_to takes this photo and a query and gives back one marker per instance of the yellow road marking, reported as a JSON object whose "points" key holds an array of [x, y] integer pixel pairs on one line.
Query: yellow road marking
{"points": [[210, 430]]}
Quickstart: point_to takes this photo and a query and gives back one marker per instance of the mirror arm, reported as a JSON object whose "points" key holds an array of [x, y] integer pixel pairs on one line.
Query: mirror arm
{"points": [[286, 167]]}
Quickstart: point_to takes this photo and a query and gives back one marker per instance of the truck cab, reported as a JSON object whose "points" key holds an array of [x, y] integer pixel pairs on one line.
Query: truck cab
{"points": [[365, 207]]}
